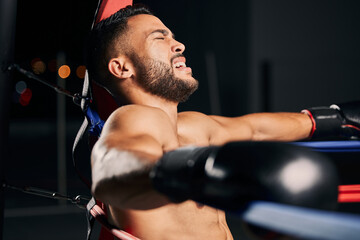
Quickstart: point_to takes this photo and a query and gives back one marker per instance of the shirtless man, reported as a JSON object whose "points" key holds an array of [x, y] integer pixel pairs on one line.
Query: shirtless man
{"points": [[144, 68]]}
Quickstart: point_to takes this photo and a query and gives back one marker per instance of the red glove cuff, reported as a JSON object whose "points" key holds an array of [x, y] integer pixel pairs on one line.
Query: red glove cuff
{"points": [[307, 112]]}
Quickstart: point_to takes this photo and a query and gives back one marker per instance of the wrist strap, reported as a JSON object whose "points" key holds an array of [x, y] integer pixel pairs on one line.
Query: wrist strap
{"points": [[307, 112]]}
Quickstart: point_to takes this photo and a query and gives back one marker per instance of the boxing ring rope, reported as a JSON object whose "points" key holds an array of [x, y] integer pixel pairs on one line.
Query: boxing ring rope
{"points": [[304, 223], [349, 193], [332, 146]]}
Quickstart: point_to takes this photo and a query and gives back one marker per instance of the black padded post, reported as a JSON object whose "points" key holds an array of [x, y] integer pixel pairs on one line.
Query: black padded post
{"points": [[7, 37]]}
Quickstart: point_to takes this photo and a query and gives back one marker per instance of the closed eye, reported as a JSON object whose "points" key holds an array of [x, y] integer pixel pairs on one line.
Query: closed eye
{"points": [[161, 34]]}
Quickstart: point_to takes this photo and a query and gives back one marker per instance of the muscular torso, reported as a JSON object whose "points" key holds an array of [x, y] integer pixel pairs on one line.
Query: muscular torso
{"points": [[186, 220], [148, 133]]}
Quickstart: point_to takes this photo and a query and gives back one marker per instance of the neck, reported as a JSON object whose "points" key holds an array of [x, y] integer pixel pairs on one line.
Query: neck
{"points": [[147, 99]]}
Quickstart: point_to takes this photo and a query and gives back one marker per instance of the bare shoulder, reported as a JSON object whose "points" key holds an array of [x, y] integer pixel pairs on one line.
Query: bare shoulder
{"points": [[134, 110], [137, 117], [132, 123]]}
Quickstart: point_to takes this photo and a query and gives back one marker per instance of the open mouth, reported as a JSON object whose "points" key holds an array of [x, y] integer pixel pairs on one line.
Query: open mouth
{"points": [[180, 64]]}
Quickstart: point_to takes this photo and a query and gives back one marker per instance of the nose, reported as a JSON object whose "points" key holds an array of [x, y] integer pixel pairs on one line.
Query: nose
{"points": [[177, 47]]}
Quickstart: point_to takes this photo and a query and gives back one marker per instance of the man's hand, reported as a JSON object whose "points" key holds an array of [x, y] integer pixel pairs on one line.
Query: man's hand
{"points": [[336, 121]]}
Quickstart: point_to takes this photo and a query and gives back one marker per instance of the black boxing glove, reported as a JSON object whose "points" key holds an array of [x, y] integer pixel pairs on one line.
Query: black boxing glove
{"points": [[230, 176], [178, 171], [339, 121]]}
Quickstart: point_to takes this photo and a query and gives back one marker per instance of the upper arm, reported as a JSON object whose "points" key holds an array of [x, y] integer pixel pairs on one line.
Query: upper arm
{"points": [[133, 139], [213, 130], [138, 129]]}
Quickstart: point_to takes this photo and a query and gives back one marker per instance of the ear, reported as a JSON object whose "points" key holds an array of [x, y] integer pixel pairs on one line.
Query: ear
{"points": [[120, 67]]}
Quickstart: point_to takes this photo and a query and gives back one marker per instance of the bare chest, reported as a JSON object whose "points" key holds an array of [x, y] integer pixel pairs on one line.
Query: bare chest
{"points": [[195, 139], [193, 133]]}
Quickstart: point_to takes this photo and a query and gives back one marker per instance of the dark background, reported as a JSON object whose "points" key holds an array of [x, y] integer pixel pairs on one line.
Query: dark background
{"points": [[249, 56]]}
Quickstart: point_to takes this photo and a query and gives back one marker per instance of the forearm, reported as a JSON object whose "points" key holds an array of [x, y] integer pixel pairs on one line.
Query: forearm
{"points": [[338, 121], [121, 178], [280, 126], [266, 127]]}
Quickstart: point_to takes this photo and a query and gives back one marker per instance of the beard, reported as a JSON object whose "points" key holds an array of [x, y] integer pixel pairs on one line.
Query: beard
{"points": [[158, 78]]}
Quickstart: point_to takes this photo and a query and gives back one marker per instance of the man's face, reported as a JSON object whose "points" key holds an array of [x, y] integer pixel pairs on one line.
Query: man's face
{"points": [[159, 61]]}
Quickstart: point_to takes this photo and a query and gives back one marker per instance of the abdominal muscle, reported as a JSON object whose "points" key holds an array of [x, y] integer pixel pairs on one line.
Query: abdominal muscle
{"points": [[187, 220]]}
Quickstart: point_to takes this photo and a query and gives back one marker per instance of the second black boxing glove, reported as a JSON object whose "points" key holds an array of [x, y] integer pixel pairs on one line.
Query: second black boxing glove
{"points": [[339, 121], [230, 176]]}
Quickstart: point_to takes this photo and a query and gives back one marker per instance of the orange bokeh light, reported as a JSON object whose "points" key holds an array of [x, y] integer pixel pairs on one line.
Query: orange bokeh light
{"points": [[80, 71], [64, 71], [38, 66]]}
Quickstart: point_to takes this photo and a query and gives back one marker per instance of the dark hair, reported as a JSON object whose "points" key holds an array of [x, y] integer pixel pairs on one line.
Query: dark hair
{"points": [[104, 37]]}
